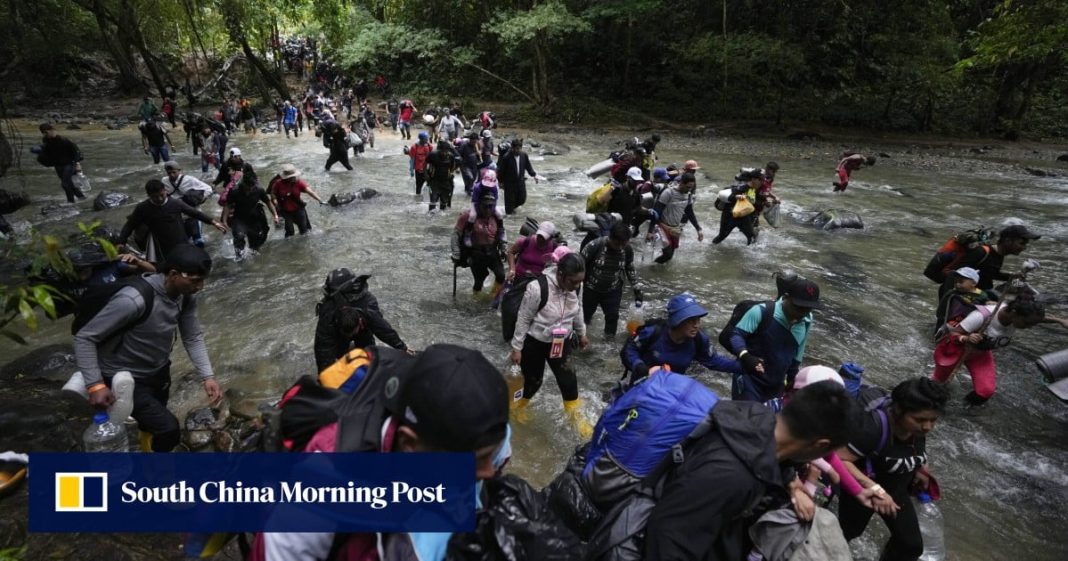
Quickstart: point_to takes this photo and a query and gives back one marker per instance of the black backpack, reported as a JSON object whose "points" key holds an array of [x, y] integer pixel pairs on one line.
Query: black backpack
{"points": [[95, 298], [740, 310], [513, 299]]}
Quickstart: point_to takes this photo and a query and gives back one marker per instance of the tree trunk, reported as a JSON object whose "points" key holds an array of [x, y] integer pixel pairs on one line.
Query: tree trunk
{"points": [[270, 78], [196, 35], [129, 77], [541, 78]]}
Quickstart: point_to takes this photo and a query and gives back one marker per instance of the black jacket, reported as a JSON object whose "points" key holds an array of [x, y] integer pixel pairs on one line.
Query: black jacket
{"points": [[226, 172], [166, 222], [511, 174], [706, 501], [58, 151], [331, 344]]}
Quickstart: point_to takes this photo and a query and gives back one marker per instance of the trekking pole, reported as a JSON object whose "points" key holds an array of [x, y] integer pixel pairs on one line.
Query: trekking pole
{"points": [[454, 267], [1014, 286]]}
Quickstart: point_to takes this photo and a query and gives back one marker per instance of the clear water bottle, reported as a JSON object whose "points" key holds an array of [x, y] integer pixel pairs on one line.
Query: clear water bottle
{"points": [[105, 436], [636, 318], [514, 377], [931, 527]]}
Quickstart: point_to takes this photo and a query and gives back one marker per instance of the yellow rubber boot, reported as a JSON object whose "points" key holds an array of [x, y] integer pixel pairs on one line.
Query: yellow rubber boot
{"points": [[573, 409], [520, 413], [146, 441]]}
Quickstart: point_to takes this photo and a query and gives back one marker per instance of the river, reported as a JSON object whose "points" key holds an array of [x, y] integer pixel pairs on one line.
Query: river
{"points": [[1003, 469]]}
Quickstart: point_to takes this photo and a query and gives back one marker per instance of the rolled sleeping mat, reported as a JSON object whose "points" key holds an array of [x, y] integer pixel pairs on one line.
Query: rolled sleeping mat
{"points": [[1053, 366], [585, 222], [599, 168], [648, 200]]}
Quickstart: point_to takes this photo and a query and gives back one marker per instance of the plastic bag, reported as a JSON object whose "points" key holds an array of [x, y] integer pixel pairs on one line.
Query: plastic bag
{"points": [[771, 215], [569, 497], [517, 525], [742, 207]]}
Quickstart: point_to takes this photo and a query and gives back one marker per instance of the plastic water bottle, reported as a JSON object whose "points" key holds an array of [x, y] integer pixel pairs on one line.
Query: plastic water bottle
{"points": [[105, 436], [931, 528], [514, 377]]}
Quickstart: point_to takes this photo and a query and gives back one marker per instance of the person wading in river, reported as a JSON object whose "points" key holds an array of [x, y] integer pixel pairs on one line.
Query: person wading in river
{"points": [[60, 153], [286, 188], [512, 171], [164, 217]]}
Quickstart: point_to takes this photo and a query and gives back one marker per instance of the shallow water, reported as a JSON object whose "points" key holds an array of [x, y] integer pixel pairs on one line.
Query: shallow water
{"points": [[1003, 470]]}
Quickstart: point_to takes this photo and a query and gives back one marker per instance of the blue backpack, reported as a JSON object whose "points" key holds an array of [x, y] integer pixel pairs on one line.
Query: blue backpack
{"points": [[634, 435]]}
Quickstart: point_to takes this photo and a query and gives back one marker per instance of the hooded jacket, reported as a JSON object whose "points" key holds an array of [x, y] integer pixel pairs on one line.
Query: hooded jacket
{"points": [[331, 344], [702, 512]]}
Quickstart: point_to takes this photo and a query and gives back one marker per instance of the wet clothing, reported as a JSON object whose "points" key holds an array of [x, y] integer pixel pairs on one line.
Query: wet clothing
{"points": [[534, 335], [331, 344], [978, 359], [625, 201], [229, 171], [652, 346], [479, 244], [417, 153], [724, 479], [339, 148], [727, 221], [62, 154], [441, 163], [147, 110], [532, 258], [247, 218], [894, 467], [955, 305], [166, 222], [512, 171], [192, 192], [291, 209], [109, 343], [781, 345], [672, 206], [606, 268]]}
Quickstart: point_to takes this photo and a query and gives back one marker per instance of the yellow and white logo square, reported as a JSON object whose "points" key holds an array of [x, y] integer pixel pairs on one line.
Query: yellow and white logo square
{"points": [[82, 492]]}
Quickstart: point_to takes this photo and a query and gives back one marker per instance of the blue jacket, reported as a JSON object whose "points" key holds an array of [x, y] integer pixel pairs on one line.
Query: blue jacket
{"points": [[652, 346], [781, 346]]}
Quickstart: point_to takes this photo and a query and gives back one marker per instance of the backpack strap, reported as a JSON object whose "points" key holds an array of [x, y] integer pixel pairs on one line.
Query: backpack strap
{"points": [[766, 316], [543, 286]]}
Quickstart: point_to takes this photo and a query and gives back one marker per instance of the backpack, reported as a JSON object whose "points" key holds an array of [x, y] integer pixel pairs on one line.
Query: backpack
{"points": [[97, 297], [740, 310], [642, 429], [595, 201], [338, 394], [948, 257], [513, 299], [875, 401]]}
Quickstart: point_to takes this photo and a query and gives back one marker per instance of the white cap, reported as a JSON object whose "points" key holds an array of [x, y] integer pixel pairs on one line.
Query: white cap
{"points": [[968, 273], [546, 229], [635, 173], [235, 152], [812, 374]]}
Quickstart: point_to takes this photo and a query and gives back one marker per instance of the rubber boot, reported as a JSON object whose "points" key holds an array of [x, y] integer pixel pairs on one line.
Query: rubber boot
{"points": [[146, 441], [573, 409], [974, 400], [520, 413]]}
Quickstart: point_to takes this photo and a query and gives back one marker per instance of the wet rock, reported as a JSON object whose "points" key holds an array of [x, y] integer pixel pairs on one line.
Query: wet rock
{"points": [[10, 201], [222, 441], [110, 199], [978, 151], [208, 418], [73, 127], [340, 199], [197, 439], [1040, 172], [53, 362], [884, 155], [1062, 158], [834, 219]]}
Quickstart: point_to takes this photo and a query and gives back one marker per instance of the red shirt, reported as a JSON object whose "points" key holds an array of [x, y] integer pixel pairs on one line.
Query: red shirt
{"points": [[288, 193], [406, 111], [419, 152]]}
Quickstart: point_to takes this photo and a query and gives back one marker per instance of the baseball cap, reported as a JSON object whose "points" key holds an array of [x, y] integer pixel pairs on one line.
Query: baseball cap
{"points": [[171, 165], [635, 173], [423, 136], [691, 165], [814, 374], [46, 127], [683, 307], [1018, 231], [235, 152], [804, 293], [341, 279], [968, 273], [442, 376], [661, 174], [189, 259], [546, 229]]}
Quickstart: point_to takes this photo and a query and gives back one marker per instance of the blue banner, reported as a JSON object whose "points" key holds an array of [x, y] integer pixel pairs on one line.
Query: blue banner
{"points": [[251, 492]]}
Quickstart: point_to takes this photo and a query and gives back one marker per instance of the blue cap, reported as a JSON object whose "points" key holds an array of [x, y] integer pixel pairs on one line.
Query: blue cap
{"points": [[423, 136], [683, 307], [660, 174]]}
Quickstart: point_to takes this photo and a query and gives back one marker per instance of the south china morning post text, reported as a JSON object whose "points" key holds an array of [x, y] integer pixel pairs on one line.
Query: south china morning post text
{"points": [[248, 492]]}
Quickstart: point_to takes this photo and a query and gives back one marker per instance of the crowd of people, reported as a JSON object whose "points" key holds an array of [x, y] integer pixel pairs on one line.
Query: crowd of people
{"points": [[790, 438]]}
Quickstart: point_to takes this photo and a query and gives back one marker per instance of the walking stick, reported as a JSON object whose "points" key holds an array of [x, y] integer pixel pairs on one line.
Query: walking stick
{"points": [[454, 267]]}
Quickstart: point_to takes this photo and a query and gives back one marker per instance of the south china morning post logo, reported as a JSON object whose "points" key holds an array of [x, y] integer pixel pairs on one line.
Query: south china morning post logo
{"points": [[81, 492], [251, 492]]}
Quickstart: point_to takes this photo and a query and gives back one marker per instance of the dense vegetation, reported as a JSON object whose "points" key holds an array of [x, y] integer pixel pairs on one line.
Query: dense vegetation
{"points": [[921, 65]]}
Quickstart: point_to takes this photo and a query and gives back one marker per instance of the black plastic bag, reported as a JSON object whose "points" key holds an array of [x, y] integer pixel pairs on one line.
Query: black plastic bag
{"points": [[517, 525], [569, 497]]}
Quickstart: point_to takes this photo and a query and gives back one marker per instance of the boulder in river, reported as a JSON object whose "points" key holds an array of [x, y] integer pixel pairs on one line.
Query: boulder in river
{"points": [[1062, 158], [1040, 172], [110, 199], [10, 202], [833, 219]]}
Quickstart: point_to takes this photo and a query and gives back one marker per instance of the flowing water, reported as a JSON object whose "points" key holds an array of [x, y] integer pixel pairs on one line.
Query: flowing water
{"points": [[1003, 469]]}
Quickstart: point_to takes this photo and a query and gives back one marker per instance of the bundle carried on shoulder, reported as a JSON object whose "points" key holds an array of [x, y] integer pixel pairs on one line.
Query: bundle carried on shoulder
{"points": [[949, 257]]}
